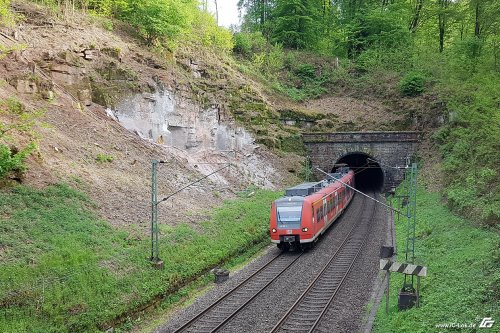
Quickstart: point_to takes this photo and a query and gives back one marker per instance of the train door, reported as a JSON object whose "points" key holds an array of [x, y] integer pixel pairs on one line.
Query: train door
{"points": [[325, 210], [336, 202]]}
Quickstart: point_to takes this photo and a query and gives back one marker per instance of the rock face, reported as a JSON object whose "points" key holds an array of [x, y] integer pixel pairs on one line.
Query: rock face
{"points": [[179, 122]]}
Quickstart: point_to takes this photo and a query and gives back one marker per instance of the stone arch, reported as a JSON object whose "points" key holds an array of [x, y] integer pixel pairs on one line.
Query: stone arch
{"points": [[369, 175]]}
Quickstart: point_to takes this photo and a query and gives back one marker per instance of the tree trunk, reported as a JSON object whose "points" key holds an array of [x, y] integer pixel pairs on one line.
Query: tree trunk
{"points": [[477, 30], [216, 12], [262, 9], [416, 16], [443, 5]]}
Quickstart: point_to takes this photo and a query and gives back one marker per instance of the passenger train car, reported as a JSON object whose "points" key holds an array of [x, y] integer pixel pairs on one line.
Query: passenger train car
{"points": [[307, 210]]}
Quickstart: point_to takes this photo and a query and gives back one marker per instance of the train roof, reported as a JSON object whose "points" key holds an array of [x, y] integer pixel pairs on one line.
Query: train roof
{"points": [[308, 188], [290, 199]]}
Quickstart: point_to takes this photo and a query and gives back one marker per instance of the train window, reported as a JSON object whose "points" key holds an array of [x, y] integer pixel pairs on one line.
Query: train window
{"points": [[289, 215]]}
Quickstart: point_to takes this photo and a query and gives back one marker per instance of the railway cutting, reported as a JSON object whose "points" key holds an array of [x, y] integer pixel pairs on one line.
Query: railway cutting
{"points": [[307, 312]]}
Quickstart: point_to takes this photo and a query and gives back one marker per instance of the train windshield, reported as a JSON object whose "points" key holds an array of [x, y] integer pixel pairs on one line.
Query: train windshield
{"points": [[288, 215]]}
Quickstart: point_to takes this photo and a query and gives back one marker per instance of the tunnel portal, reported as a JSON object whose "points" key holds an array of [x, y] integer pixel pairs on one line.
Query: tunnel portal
{"points": [[367, 171], [378, 158]]}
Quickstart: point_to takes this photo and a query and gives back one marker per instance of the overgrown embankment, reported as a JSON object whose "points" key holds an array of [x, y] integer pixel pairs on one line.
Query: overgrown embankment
{"points": [[462, 282], [65, 270], [393, 66]]}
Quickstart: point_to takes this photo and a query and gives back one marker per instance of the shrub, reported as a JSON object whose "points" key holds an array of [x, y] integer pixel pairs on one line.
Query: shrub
{"points": [[248, 44], [158, 20], [205, 29], [20, 124], [104, 158], [412, 84], [306, 71], [7, 17], [12, 160]]}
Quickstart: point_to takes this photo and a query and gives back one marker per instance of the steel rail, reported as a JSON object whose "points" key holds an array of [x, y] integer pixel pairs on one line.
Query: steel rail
{"points": [[321, 273], [343, 278], [236, 288]]}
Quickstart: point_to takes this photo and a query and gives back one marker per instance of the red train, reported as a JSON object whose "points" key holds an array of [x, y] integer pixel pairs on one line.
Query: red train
{"points": [[307, 210]]}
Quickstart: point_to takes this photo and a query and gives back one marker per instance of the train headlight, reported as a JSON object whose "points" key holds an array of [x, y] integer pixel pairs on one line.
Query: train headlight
{"points": [[274, 230], [304, 229]]}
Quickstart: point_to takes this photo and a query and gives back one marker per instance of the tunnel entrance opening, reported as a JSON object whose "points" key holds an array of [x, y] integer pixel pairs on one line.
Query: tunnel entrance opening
{"points": [[368, 173]]}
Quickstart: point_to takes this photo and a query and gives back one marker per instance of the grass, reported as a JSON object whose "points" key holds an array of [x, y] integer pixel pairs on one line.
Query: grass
{"points": [[64, 270], [462, 285], [185, 296]]}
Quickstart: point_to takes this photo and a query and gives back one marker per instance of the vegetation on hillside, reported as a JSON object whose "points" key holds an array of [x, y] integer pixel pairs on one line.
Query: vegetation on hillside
{"points": [[64, 270], [463, 279], [18, 139], [441, 50], [161, 23]]}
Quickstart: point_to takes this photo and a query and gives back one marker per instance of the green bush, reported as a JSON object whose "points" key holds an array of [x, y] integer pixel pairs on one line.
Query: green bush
{"points": [[4, 9], [413, 84], [159, 20], [247, 44], [205, 30], [470, 147], [306, 71], [12, 161], [104, 158], [20, 124]]}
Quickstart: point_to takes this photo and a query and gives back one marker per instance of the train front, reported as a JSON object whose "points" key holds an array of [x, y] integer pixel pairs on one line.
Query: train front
{"points": [[286, 222]]}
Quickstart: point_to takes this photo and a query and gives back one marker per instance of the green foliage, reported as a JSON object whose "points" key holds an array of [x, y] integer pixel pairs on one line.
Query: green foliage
{"points": [[161, 23], [470, 146], [104, 158], [64, 270], [248, 43], [13, 149], [269, 61], [449, 49], [205, 29], [412, 84], [4, 12], [293, 24], [306, 71], [12, 161], [159, 20], [462, 282]]}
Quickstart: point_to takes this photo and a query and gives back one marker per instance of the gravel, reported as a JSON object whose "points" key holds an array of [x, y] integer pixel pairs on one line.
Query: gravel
{"points": [[265, 311]]}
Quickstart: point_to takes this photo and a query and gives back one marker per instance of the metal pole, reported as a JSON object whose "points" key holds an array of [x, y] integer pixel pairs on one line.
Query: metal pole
{"points": [[154, 212], [154, 208], [418, 291], [307, 170], [388, 292]]}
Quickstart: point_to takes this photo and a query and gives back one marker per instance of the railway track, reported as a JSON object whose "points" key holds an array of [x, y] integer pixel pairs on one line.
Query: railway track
{"points": [[307, 312], [220, 312]]}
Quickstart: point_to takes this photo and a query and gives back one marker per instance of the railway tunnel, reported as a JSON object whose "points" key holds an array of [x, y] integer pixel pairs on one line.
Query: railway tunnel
{"points": [[376, 157], [368, 173]]}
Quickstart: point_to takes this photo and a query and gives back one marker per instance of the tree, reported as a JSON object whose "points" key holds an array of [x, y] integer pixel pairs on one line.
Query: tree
{"points": [[158, 19], [256, 13], [442, 18], [416, 15], [294, 23]]}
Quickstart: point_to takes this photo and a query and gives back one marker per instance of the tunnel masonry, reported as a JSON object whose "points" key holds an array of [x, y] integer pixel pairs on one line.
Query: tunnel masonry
{"points": [[387, 149]]}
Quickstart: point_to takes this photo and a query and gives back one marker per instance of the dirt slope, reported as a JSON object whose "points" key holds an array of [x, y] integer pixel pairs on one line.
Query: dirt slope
{"points": [[81, 63]]}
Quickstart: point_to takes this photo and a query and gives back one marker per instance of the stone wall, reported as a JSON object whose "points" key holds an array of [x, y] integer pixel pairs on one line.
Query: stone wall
{"points": [[390, 149]]}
